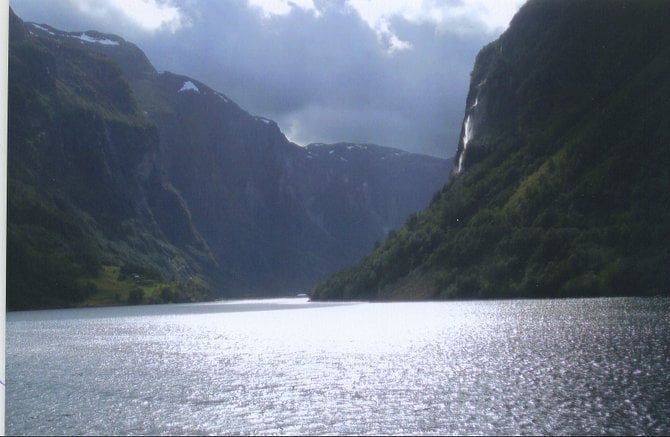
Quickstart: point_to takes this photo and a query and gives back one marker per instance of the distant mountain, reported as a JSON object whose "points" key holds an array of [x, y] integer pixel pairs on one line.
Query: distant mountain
{"points": [[280, 216], [128, 185], [560, 186]]}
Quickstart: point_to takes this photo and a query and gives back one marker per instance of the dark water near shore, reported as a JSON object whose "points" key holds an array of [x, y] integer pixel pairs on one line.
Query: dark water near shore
{"points": [[287, 366]]}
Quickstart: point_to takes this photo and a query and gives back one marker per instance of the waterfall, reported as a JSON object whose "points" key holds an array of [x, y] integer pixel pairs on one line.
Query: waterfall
{"points": [[467, 128], [467, 135]]}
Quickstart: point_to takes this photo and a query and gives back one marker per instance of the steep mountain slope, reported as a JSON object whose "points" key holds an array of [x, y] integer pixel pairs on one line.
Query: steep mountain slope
{"points": [[84, 187], [124, 179], [279, 216], [560, 182]]}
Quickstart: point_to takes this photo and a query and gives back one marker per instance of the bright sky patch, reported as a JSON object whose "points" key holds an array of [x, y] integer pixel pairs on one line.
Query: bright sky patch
{"points": [[149, 15]]}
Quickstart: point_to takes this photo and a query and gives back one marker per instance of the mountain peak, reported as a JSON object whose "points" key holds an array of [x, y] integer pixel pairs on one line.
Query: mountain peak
{"points": [[128, 56]]}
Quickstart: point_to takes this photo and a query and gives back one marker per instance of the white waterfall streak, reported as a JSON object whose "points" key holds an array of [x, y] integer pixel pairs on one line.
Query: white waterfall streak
{"points": [[467, 135]]}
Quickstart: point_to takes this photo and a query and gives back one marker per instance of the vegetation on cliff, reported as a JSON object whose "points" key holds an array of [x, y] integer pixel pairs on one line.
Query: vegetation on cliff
{"points": [[565, 172]]}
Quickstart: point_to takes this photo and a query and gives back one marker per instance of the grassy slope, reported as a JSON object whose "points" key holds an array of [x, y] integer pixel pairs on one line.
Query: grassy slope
{"points": [[112, 287]]}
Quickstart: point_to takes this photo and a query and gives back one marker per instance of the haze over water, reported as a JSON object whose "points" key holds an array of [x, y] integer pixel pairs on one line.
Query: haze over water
{"points": [[287, 366]]}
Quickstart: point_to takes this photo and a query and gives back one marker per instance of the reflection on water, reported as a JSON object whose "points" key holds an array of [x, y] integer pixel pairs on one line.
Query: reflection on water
{"points": [[287, 366]]}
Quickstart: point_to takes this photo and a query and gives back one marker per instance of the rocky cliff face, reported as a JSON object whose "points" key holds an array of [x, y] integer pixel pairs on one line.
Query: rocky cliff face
{"points": [[279, 216], [578, 57], [115, 165], [556, 189]]}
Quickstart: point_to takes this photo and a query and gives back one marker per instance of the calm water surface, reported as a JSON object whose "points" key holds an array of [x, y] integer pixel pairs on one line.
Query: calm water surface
{"points": [[287, 366]]}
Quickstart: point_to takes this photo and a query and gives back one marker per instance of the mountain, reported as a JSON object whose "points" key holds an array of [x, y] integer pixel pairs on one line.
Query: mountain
{"points": [[129, 185], [560, 186], [85, 191], [279, 216]]}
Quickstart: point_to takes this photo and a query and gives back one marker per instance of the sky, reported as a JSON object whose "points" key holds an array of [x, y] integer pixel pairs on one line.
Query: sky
{"points": [[389, 72]]}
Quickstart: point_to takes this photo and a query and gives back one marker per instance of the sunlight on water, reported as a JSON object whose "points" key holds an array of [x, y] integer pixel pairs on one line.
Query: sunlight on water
{"points": [[287, 366]]}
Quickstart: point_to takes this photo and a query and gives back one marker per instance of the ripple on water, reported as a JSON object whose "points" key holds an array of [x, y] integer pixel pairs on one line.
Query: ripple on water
{"points": [[593, 366]]}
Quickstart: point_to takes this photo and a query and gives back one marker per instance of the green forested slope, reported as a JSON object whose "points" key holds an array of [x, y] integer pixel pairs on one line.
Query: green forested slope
{"points": [[84, 193], [565, 181]]}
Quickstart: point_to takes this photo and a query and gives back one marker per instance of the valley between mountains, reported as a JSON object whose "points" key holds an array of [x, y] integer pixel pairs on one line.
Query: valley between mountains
{"points": [[131, 185]]}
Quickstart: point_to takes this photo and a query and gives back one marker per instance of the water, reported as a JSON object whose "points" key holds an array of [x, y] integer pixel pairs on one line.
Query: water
{"points": [[467, 136], [286, 366]]}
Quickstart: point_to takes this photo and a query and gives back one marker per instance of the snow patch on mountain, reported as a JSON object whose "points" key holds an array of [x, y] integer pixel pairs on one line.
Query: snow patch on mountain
{"points": [[104, 41], [189, 86], [42, 28]]}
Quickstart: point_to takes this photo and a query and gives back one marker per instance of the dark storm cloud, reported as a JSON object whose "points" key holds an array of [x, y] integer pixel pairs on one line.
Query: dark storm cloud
{"points": [[323, 78]]}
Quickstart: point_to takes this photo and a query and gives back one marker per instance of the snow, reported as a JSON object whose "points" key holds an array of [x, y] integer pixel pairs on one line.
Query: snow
{"points": [[103, 41], [82, 36], [42, 28], [331, 152], [189, 86], [264, 120]]}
